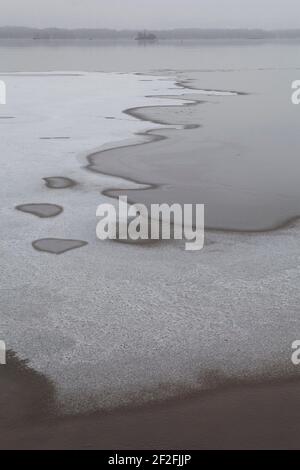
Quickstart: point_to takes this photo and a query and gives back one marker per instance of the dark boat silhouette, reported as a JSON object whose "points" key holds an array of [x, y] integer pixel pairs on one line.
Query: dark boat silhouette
{"points": [[144, 36]]}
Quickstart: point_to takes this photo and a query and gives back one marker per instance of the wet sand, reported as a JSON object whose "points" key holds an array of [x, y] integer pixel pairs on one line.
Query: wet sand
{"points": [[256, 416]]}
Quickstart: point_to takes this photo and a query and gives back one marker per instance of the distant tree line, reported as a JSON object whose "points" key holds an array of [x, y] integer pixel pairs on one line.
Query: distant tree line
{"points": [[10, 32]]}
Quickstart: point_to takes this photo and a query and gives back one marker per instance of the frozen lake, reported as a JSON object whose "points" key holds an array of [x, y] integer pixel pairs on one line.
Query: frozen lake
{"points": [[91, 318]]}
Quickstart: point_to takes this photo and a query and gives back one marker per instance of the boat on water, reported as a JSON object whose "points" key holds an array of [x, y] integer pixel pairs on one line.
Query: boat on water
{"points": [[145, 37]]}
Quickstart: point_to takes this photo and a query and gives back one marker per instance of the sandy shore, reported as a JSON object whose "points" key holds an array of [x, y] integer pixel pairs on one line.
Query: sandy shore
{"points": [[256, 416]]}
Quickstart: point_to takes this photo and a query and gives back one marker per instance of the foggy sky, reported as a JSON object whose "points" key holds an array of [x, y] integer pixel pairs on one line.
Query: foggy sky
{"points": [[151, 14]]}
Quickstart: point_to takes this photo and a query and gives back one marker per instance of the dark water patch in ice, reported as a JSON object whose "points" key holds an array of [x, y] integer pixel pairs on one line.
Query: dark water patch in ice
{"points": [[185, 84], [54, 138], [59, 182], [57, 246], [214, 163], [140, 112], [41, 210]]}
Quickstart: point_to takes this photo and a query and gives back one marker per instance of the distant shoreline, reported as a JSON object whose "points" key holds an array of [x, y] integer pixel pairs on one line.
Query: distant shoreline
{"points": [[19, 32]]}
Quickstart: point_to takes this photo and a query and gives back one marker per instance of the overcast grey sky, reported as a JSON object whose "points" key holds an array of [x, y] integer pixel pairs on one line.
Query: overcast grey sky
{"points": [[151, 13]]}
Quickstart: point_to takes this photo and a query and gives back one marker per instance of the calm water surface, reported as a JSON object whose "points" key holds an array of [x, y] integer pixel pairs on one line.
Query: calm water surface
{"points": [[243, 162]]}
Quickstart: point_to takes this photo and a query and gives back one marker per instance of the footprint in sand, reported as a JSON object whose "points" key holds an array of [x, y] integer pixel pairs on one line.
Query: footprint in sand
{"points": [[41, 210]]}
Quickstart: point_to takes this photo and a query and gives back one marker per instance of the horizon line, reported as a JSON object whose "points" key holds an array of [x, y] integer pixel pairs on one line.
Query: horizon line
{"points": [[180, 28]]}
